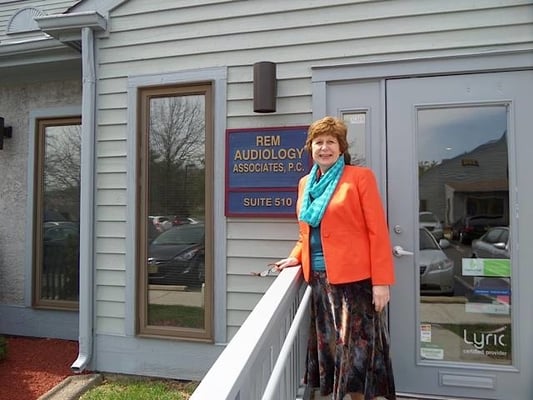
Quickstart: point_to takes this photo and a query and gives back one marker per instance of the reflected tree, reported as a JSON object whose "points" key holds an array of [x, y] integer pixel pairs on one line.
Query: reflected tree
{"points": [[62, 178], [177, 155], [59, 156], [424, 166]]}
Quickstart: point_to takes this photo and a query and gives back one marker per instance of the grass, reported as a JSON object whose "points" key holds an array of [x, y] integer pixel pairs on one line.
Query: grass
{"points": [[136, 388], [123, 388], [174, 315]]}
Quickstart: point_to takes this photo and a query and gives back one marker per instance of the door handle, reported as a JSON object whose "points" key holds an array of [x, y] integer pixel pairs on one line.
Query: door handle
{"points": [[398, 251]]}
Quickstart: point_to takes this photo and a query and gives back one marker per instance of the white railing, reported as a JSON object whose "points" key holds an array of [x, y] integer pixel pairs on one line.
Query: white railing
{"points": [[265, 359]]}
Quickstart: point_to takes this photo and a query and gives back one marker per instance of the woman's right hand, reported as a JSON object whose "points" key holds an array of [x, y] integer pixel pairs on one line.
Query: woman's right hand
{"points": [[286, 262]]}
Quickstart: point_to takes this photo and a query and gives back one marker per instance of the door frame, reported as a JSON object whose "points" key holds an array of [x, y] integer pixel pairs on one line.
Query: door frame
{"points": [[455, 374], [422, 67]]}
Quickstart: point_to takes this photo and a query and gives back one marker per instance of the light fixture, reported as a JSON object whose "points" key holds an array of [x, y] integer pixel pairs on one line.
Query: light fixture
{"points": [[265, 87], [5, 131]]}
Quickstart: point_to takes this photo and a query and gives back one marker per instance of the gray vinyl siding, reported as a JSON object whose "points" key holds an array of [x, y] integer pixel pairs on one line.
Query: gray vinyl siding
{"points": [[172, 36]]}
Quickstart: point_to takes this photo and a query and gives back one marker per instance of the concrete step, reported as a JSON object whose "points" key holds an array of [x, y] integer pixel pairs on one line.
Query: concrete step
{"points": [[72, 387]]}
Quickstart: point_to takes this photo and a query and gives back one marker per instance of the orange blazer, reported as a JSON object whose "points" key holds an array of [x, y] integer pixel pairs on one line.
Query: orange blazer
{"points": [[354, 232]]}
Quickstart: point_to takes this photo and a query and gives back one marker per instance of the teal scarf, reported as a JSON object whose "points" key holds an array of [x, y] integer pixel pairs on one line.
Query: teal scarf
{"points": [[318, 192]]}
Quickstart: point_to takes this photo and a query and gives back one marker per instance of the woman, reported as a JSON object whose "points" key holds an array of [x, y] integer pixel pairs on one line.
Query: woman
{"points": [[346, 257]]}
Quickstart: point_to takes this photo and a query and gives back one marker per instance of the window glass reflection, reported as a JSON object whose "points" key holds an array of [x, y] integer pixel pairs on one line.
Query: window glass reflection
{"points": [[464, 254], [175, 226], [60, 194], [356, 135]]}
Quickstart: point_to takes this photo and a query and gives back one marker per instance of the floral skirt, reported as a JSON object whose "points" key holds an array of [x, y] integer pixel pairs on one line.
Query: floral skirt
{"points": [[348, 348]]}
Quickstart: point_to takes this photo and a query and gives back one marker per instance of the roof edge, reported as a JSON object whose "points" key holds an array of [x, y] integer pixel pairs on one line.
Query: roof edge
{"points": [[101, 6], [29, 46], [43, 50], [67, 27]]}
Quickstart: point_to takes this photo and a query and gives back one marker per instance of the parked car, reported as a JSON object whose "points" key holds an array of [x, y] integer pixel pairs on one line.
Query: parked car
{"points": [[61, 227], [180, 220], [430, 221], [60, 232], [151, 231], [161, 222], [177, 256], [61, 252], [472, 227], [436, 269], [495, 243]]}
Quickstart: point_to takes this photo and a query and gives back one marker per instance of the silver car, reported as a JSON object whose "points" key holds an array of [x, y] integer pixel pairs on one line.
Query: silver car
{"points": [[493, 244], [436, 269], [430, 221]]}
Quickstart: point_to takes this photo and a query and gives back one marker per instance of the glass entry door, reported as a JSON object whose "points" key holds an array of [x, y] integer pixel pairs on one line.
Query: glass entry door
{"points": [[453, 183]]}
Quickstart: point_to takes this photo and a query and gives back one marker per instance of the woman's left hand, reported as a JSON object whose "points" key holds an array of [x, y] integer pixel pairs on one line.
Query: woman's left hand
{"points": [[380, 296]]}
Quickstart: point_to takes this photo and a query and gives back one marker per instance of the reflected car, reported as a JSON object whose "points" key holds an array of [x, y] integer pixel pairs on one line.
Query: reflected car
{"points": [[177, 256], [496, 243], [151, 231], [60, 232], [472, 227], [436, 269], [161, 222], [493, 244], [61, 252], [179, 220], [430, 221]]}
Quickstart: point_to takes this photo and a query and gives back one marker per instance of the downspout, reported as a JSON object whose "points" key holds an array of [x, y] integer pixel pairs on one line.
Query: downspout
{"points": [[88, 142], [66, 28]]}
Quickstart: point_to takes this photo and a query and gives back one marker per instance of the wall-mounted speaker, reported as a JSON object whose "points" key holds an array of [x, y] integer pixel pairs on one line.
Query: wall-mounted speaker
{"points": [[265, 87]]}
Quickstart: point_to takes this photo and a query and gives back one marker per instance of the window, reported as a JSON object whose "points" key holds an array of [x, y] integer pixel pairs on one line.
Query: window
{"points": [[57, 210], [356, 123], [174, 234]]}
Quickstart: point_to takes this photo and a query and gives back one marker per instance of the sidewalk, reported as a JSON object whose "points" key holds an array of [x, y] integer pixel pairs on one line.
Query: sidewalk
{"points": [[72, 387]]}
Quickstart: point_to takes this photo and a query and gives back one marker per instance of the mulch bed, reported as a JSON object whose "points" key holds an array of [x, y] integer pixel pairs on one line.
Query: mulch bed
{"points": [[33, 366]]}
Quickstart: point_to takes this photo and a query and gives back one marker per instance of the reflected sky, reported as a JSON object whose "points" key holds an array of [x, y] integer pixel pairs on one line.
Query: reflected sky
{"points": [[448, 132]]}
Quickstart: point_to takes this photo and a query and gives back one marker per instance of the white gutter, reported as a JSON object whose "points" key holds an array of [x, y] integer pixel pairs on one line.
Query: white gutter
{"points": [[66, 27], [70, 28], [88, 136], [44, 43], [35, 51]]}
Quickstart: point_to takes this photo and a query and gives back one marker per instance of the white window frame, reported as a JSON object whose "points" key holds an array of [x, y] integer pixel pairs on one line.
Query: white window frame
{"points": [[218, 78]]}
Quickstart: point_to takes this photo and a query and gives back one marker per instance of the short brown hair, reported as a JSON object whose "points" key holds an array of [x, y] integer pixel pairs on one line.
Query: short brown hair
{"points": [[328, 126]]}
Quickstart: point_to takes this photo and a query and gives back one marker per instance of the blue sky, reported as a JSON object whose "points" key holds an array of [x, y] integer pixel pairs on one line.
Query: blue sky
{"points": [[448, 132]]}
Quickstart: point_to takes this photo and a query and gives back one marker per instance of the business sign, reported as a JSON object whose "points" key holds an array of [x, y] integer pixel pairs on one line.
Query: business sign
{"points": [[486, 343], [263, 167], [496, 267]]}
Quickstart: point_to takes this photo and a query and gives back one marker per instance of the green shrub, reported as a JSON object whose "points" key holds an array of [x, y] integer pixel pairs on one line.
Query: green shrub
{"points": [[3, 348]]}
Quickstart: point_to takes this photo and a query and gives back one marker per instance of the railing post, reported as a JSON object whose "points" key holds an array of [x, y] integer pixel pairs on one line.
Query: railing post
{"points": [[246, 366], [273, 385]]}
